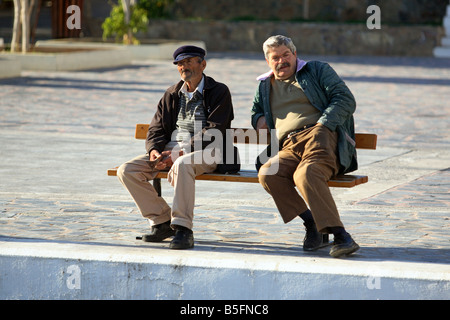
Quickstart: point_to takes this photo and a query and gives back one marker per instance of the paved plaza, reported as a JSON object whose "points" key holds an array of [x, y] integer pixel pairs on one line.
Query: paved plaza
{"points": [[61, 131]]}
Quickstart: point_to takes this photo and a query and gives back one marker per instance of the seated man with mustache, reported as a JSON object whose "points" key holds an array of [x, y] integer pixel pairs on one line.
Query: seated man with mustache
{"points": [[311, 109]]}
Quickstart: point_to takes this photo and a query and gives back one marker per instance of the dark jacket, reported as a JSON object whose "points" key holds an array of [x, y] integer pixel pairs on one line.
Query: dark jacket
{"points": [[217, 106], [329, 94]]}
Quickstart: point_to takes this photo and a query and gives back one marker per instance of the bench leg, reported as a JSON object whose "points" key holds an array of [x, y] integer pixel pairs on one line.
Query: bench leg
{"points": [[157, 185]]}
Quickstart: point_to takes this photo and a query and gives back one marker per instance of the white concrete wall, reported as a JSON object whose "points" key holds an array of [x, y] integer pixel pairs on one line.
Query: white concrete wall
{"points": [[9, 69], [46, 270]]}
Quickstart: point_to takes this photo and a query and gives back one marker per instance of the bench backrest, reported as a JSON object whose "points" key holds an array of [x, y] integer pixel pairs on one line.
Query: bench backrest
{"points": [[250, 136]]}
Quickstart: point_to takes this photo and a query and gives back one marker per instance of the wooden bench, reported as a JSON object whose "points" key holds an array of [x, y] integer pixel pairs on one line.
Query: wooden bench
{"points": [[363, 141]]}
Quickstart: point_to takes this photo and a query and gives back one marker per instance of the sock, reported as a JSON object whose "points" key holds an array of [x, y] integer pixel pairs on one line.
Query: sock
{"points": [[307, 218], [337, 230]]}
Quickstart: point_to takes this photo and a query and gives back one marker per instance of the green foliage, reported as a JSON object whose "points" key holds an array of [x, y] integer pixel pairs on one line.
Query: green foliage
{"points": [[115, 24], [156, 8]]}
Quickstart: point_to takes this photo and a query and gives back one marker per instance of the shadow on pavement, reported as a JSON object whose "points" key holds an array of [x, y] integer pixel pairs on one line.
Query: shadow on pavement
{"points": [[403, 254]]}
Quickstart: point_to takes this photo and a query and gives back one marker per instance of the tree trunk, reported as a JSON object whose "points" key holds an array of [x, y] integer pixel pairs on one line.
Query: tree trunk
{"points": [[306, 9], [21, 25], [25, 17], [126, 5], [16, 26], [127, 14]]}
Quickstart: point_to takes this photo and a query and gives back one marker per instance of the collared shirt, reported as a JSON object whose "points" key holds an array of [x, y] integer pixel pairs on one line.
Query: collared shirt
{"points": [[191, 94], [191, 115]]}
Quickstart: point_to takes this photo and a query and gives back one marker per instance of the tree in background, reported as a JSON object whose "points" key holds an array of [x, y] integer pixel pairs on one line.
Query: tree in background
{"points": [[131, 16], [156, 8], [125, 20]]}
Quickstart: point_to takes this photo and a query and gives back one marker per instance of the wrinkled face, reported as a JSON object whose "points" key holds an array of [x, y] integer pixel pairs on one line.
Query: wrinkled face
{"points": [[191, 69], [282, 62]]}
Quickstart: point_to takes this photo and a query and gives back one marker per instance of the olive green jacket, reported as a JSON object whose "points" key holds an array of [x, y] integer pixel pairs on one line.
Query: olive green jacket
{"points": [[329, 94]]}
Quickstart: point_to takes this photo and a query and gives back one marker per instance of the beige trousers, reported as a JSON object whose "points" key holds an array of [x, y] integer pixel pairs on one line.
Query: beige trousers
{"points": [[307, 161], [136, 174]]}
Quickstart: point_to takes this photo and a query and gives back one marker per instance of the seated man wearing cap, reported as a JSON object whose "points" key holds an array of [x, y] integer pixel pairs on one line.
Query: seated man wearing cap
{"points": [[177, 140]]}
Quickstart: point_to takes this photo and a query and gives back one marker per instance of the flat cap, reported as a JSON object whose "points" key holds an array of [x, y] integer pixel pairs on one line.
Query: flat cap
{"points": [[185, 52]]}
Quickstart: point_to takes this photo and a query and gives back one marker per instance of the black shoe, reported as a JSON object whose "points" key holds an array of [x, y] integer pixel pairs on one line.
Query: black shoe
{"points": [[184, 238], [159, 232], [343, 245], [314, 239]]}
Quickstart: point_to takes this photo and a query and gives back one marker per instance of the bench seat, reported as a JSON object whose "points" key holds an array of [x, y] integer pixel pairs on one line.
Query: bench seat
{"points": [[251, 176], [363, 141]]}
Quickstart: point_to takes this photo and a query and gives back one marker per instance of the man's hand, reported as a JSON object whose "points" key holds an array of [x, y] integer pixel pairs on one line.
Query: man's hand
{"points": [[161, 157], [167, 158], [261, 123], [166, 161], [154, 154]]}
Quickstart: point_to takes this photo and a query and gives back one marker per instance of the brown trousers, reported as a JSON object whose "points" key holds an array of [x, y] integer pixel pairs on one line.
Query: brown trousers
{"points": [[307, 161], [136, 174]]}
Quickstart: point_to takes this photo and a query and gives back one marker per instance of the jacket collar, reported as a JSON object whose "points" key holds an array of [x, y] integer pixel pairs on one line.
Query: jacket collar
{"points": [[264, 76], [199, 89], [208, 84]]}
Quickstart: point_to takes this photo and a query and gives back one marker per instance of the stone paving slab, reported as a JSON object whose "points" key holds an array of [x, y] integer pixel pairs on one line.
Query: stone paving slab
{"points": [[61, 131]]}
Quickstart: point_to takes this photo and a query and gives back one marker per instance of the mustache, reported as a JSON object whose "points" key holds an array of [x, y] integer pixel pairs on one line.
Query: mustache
{"points": [[285, 64]]}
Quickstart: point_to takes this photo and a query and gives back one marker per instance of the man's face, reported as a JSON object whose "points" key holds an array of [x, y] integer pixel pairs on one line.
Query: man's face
{"points": [[190, 69], [282, 62]]}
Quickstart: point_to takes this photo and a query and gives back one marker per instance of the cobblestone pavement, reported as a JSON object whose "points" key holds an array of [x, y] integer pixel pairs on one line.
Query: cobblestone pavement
{"points": [[61, 131]]}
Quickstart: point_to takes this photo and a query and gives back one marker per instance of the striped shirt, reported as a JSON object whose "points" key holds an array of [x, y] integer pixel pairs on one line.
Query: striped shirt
{"points": [[191, 117]]}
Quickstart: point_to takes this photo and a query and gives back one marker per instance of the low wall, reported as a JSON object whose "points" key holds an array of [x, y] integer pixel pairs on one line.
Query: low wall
{"points": [[393, 11], [67, 55], [310, 38], [82, 60], [9, 69], [31, 269]]}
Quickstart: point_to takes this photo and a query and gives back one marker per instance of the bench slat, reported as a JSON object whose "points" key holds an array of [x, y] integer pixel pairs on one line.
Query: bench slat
{"points": [[366, 141], [251, 176], [363, 140]]}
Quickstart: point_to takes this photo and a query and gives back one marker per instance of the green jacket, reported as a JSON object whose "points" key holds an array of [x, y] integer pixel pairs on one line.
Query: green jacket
{"points": [[329, 94]]}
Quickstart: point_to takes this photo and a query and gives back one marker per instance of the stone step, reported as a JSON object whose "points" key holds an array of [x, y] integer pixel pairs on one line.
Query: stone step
{"points": [[447, 24], [442, 52], [446, 41], [9, 68]]}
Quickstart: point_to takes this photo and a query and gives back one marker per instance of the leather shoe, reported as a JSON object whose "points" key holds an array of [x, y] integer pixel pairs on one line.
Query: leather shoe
{"points": [[314, 239], [343, 245], [159, 232], [184, 238]]}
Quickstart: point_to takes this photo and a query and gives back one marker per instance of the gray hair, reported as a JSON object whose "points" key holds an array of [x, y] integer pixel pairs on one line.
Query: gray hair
{"points": [[276, 41]]}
